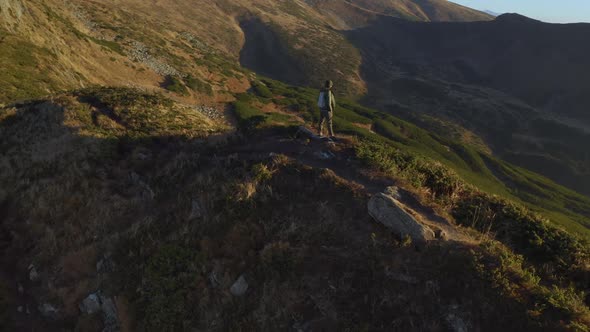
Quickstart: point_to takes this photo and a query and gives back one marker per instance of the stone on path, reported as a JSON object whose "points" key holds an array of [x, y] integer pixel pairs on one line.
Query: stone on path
{"points": [[388, 211]]}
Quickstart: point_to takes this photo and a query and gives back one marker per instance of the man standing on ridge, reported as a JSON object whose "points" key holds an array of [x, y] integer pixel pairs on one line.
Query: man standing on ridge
{"points": [[327, 104]]}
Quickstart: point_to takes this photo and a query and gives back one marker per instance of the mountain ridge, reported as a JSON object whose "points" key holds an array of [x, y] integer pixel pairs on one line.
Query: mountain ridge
{"points": [[160, 169]]}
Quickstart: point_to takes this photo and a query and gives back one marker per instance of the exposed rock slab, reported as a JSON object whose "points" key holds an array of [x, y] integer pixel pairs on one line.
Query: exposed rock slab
{"points": [[388, 211]]}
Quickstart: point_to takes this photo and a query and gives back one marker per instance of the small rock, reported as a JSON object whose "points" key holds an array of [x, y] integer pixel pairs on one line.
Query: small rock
{"points": [[97, 302], [142, 156], [456, 324], [48, 310], [214, 280], [441, 234], [33, 274], [239, 287], [324, 155], [20, 308], [91, 304], [196, 211], [402, 278], [109, 315]]}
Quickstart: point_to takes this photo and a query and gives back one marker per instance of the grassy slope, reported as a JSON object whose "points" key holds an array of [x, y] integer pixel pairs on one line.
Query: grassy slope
{"points": [[489, 174], [355, 12], [24, 71]]}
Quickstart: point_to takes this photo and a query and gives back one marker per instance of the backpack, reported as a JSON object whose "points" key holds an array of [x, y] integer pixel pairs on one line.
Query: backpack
{"points": [[323, 100]]}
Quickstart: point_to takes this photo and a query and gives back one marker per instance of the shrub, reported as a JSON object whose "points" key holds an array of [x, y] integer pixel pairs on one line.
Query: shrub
{"points": [[555, 307], [198, 85], [261, 90], [110, 45], [249, 118], [168, 295], [525, 232], [442, 182], [174, 84]]}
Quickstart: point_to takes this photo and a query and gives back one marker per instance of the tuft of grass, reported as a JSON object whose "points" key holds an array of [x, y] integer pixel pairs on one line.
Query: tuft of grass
{"points": [[174, 84], [261, 90], [198, 85], [552, 307], [110, 45], [170, 278], [24, 73]]}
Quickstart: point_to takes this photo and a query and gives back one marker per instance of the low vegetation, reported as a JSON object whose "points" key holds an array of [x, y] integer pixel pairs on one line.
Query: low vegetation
{"points": [[198, 85], [24, 71], [300, 236]]}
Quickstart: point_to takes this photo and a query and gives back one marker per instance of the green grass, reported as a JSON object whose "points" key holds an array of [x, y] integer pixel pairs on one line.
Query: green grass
{"points": [[328, 55], [23, 74], [198, 85], [134, 114], [110, 45], [250, 118], [511, 275], [220, 64], [175, 85], [261, 90]]}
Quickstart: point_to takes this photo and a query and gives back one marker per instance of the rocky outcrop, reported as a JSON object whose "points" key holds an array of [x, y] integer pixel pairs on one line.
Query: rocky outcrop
{"points": [[141, 54], [387, 210]]}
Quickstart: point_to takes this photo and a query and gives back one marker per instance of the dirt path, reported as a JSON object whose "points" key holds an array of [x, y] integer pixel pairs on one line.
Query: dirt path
{"points": [[340, 158]]}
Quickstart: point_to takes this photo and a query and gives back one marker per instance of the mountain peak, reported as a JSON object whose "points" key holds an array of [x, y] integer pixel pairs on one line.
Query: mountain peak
{"points": [[515, 17]]}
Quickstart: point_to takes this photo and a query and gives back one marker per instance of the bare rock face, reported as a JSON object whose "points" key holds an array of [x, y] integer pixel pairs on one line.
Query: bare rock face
{"points": [[387, 210]]}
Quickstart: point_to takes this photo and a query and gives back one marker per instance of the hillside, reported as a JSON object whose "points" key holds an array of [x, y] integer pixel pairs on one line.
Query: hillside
{"points": [[113, 42], [133, 250], [522, 94], [88, 43], [352, 14], [158, 169]]}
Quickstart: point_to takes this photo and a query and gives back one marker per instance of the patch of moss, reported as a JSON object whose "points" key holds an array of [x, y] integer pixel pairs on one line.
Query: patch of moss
{"points": [[198, 85], [174, 84], [23, 73]]}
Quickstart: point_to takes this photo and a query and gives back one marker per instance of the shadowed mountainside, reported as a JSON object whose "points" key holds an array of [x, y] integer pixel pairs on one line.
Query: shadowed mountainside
{"points": [[251, 208], [514, 81]]}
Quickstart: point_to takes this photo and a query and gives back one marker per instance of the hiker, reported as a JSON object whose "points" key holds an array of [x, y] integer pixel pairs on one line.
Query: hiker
{"points": [[327, 104]]}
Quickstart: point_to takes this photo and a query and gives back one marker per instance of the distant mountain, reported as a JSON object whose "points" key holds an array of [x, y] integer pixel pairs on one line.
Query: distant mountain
{"points": [[492, 13], [515, 81], [353, 13]]}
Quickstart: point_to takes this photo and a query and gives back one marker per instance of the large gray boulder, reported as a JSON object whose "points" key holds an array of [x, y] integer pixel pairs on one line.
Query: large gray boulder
{"points": [[387, 210]]}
